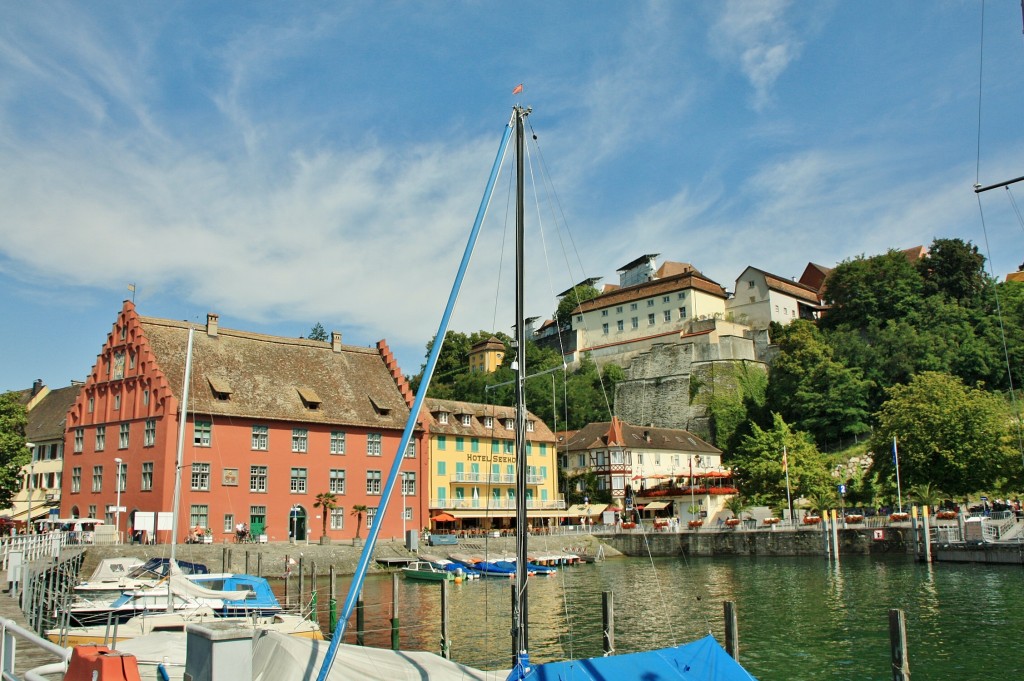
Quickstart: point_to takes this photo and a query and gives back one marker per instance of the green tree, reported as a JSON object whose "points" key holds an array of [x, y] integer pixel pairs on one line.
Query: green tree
{"points": [[358, 510], [955, 269], [572, 300], [954, 437], [328, 502], [13, 452], [732, 413], [317, 333], [863, 290], [757, 464], [813, 391], [736, 505]]}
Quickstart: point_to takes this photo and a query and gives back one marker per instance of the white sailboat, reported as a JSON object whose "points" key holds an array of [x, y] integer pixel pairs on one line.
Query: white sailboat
{"points": [[703, 660]]}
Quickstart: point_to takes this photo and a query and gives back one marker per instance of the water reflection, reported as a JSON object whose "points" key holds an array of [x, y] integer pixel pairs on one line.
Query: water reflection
{"points": [[800, 619]]}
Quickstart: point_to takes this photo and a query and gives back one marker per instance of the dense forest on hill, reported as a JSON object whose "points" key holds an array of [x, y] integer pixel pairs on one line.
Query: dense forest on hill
{"points": [[908, 349]]}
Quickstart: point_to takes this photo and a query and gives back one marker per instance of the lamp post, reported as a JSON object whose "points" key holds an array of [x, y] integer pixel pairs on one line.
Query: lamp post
{"points": [[292, 517], [117, 507], [31, 470]]}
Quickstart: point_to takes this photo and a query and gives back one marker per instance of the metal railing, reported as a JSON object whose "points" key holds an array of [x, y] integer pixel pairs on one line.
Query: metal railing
{"points": [[494, 479], [493, 504], [10, 631]]}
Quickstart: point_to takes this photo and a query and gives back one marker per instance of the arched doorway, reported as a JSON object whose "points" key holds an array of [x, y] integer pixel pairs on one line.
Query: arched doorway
{"points": [[75, 513], [297, 523]]}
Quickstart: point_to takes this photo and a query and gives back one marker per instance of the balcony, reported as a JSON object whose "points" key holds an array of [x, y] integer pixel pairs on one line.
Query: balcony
{"points": [[490, 504], [490, 479]]}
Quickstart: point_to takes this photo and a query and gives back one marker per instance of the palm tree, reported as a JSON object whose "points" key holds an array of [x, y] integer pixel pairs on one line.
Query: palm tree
{"points": [[328, 502], [821, 501], [736, 505], [926, 495], [358, 510]]}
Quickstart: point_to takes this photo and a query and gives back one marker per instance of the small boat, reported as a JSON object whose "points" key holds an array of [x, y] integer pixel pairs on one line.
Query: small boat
{"points": [[227, 594], [116, 575], [423, 571], [148, 623]]}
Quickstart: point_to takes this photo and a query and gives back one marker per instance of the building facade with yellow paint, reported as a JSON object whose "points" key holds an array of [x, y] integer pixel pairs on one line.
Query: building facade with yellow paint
{"points": [[471, 449]]}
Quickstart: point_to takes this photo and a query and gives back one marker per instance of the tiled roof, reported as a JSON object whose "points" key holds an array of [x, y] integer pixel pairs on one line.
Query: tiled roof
{"points": [[595, 435], [46, 419], [431, 407], [790, 288], [654, 287], [268, 375]]}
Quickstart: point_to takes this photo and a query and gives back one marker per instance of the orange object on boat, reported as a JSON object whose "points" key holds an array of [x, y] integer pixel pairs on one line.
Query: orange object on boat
{"points": [[109, 665]]}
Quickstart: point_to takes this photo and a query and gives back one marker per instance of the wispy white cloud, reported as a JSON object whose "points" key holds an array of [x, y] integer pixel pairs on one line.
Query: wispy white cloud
{"points": [[756, 38]]}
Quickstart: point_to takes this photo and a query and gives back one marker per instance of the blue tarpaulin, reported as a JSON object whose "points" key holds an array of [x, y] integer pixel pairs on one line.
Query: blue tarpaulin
{"points": [[702, 660]]}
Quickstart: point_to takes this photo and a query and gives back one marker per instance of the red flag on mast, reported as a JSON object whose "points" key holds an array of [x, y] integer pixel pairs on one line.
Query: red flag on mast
{"points": [[519, 88], [785, 460]]}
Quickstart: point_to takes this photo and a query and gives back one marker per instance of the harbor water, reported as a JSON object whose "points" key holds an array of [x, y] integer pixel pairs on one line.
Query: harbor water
{"points": [[800, 619]]}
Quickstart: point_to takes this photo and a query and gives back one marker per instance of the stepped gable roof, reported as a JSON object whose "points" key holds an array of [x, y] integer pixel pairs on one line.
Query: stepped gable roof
{"points": [[476, 428], [47, 419], [596, 435], [789, 287], [654, 287], [272, 377]]}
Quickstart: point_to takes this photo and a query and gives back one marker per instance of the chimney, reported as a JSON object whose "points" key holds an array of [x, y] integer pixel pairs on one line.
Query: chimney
{"points": [[212, 319], [336, 341], [37, 385]]}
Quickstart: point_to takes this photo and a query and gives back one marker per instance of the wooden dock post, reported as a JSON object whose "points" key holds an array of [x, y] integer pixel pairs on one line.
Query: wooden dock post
{"points": [[302, 582], [247, 563], [898, 645], [332, 619], [259, 563], [394, 611], [360, 620], [835, 534], [608, 622], [287, 582], [732, 631], [224, 559], [927, 535], [446, 644], [313, 614]]}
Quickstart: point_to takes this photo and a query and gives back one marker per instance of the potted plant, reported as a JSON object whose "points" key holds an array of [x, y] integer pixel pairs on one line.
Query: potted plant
{"points": [[328, 502], [358, 510], [736, 505]]}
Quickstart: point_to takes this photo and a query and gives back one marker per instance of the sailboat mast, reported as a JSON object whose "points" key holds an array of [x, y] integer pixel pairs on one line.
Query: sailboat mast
{"points": [[177, 465], [520, 615]]}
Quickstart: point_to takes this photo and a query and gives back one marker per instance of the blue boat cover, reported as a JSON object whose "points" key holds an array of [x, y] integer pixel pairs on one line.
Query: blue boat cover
{"points": [[702, 660]]}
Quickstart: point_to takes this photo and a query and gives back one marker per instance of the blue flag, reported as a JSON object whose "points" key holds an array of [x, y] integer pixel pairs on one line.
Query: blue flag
{"points": [[894, 461]]}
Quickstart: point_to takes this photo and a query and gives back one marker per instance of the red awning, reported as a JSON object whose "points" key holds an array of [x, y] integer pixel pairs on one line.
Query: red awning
{"points": [[443, 518]]}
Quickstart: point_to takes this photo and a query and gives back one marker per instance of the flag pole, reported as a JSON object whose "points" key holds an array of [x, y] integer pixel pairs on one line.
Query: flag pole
{"points": [[785, 469], [896, 461]]}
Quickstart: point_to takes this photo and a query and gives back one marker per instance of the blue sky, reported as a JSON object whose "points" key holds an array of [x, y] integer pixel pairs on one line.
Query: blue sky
{"points": [[284, 164]]}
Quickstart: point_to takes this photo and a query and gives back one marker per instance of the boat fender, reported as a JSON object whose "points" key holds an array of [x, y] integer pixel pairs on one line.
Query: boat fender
{"points": [[99, 663]]}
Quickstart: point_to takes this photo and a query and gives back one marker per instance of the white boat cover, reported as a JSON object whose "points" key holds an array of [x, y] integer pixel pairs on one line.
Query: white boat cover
{"points": [[113, 569], [277, 657], [182, 586]]}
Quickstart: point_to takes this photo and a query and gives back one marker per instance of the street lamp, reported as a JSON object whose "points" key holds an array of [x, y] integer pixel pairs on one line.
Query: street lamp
{"points": [[117, 508], [31, 470], [292, 517]]}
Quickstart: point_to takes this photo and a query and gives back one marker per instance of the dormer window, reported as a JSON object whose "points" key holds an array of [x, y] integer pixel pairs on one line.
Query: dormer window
{"points": [[442, 417], [310, 400], [466, 419], [488, 422], [221, 389], [529, 426], [510, 424]]}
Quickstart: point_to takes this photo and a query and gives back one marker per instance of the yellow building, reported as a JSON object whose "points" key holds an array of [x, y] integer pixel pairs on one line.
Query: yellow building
{"points": [[471, 449], [486, 356]]}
